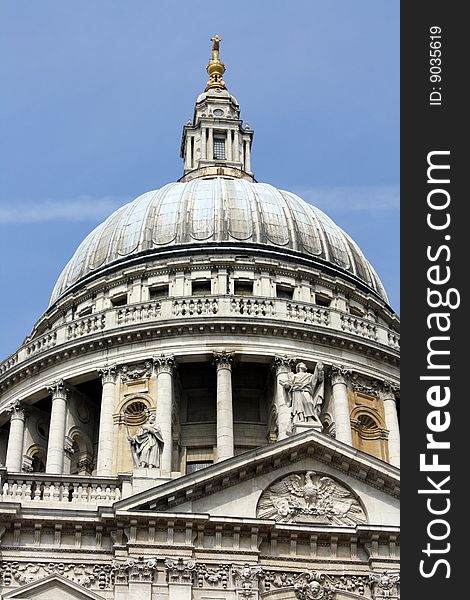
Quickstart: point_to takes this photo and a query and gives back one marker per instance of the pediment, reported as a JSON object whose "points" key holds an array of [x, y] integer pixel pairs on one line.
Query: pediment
{"points": [[306, 478], [53, 586]]}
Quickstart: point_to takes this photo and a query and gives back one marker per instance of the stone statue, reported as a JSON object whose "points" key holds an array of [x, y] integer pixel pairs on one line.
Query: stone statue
{"points": [[306, 392], [147, 444]]}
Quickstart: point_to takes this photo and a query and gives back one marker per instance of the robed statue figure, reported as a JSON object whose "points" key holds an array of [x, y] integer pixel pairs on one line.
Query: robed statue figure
{"points": [[147, 444], [305, 394]]}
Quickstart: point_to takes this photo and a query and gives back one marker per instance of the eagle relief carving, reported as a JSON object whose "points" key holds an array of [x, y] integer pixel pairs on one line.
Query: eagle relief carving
{"points": [[310, 498]]}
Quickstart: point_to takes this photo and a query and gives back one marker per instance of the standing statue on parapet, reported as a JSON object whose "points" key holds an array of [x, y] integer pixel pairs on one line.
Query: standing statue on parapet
{"points": [[305, 392]]}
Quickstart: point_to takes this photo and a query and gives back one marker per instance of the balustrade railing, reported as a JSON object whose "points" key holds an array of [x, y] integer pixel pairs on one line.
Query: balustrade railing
{"points": [[167, 309], [65, 489]]}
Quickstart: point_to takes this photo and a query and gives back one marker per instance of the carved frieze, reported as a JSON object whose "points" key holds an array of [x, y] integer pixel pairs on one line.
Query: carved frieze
{"points": [[309, 497], [213, 576], [87, 575]]}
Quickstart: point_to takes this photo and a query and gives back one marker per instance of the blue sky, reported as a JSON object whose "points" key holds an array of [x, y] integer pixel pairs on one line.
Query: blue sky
{"points": [[95, 94]]}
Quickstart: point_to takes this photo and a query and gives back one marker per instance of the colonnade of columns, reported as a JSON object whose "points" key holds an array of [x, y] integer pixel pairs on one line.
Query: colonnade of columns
{"points": [[164, 370]]}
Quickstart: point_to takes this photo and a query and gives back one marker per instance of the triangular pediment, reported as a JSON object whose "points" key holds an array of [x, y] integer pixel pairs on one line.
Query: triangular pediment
{"points": [[53, 586], [258, 483]]}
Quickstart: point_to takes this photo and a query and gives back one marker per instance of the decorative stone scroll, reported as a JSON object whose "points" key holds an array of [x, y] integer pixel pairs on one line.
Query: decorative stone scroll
{"points": [[134, 569], [310, 497]]}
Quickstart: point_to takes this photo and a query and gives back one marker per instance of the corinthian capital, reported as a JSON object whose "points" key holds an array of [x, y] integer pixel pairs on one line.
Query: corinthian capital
{"points": [[389, 390], [223, 360], [16, 411], [108, 374], [180, 570], [283, 364], [339, 374], [165, 363], [58, 389]]}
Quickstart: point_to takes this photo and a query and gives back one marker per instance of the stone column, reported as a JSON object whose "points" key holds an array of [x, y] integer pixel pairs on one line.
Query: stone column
{"points": [[228, 145], [247, 156], [189, 156], [210, 145], [339, 377], [236, 147], [55, 447], [104, 463], [14, 455], [225, 446], [282, 366], [164, 367], [203, 142], [391, 422]]}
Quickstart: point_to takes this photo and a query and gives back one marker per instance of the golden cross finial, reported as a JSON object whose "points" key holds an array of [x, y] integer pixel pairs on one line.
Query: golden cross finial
{"points": [[216, 67], [215, 46]]}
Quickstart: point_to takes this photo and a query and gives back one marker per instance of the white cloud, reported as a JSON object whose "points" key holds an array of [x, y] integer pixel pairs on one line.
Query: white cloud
{"points": [[370, 199], [83, 208]]}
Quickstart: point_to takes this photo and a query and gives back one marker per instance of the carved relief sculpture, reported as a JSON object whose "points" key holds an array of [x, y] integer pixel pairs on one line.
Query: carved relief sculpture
{"points": [[310, 498], [306, 392], [147, 444]]}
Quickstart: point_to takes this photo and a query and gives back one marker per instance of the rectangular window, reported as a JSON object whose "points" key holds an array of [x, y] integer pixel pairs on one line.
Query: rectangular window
{"points": [[243, 288], [159, 291], [219, 149], [284, 291], [322, 300], [119, 300], [201, 288]]}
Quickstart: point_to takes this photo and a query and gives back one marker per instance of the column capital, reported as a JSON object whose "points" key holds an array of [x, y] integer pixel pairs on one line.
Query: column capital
{"points": [[388, 390], [165, 363], [108, 374], [180, 570], [223, 360], [16, 411], [58, 389], [282, 364], [339, 374]]}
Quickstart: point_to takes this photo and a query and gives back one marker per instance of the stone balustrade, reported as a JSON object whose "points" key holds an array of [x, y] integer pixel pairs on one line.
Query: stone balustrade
{"points": [[31, 488], [223, 306]]}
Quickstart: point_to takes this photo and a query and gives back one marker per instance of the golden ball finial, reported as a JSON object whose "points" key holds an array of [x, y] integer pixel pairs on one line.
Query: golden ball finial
{"points": [[215, 67]]}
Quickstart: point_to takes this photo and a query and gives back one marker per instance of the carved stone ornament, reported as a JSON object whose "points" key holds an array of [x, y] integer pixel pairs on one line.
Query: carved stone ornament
{"points": [[16, 411], [86, 575], [180, 570], [313, 586], [213, 576], [136, 372], [164, 363], [58, 389], [356, 584], [108, 374], [339, 374], [140, 569], [246, 579], [283, 364], [223, 360], [309, 497], [384, 584]]}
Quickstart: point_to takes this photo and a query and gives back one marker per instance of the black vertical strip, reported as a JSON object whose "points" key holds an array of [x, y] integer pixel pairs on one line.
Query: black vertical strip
{"points": [[434, 122]]}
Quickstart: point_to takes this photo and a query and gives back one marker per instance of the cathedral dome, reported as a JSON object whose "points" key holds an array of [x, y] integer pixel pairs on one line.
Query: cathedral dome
{"points": [[217, 213]]}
